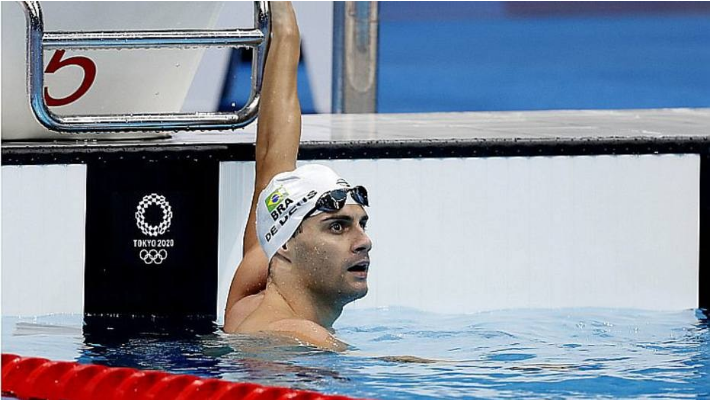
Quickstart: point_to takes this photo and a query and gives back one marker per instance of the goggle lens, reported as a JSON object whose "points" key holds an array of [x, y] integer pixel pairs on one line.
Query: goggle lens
{"points": [[336, 199], [359, 194]]}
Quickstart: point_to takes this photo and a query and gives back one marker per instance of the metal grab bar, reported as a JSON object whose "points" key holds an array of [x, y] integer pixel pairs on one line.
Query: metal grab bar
{"points": [[38, 40], [151, 39]]}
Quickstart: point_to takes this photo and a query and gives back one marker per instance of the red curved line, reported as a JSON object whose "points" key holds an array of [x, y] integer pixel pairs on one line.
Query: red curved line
{"points": [[39, 378]]}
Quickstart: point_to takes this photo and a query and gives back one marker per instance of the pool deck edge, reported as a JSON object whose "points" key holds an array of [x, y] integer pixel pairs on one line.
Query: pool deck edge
{"points": [[432, 135]]}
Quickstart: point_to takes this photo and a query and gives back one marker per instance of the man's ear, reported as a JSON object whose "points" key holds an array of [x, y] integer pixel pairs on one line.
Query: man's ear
{"points": [[284, 252]]}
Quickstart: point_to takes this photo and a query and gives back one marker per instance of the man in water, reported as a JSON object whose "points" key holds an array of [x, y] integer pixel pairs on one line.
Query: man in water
{"points": [[306, 253]]}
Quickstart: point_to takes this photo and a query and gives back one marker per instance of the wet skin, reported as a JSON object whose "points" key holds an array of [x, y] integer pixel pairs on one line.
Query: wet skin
{"points": [[318, 271], [332, 255]]}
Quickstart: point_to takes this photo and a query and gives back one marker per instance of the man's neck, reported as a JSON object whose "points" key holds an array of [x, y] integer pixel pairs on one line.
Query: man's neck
{"points": [[305, 304]]}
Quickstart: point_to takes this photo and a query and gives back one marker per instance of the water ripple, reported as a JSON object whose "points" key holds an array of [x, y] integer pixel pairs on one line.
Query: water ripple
{"points": [[575, 353]]}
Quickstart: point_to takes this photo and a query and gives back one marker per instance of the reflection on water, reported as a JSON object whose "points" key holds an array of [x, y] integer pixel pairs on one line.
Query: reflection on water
{"points": [[580, 353]]}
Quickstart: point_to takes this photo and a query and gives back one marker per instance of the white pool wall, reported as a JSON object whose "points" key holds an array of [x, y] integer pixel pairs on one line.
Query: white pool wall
{"points": [[455, 235], [43, 226], [475, 234]]}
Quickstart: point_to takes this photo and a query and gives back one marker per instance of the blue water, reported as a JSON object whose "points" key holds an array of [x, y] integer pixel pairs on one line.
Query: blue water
{"points": [[595, 62], [578, 353], [477, 56]]}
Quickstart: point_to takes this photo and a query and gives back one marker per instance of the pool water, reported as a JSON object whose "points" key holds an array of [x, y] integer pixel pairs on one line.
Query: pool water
{"points": [[580, 353], [451, 61]]}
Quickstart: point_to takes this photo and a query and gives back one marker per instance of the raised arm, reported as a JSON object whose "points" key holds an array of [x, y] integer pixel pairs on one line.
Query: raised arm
{"points": [[277, 138]]}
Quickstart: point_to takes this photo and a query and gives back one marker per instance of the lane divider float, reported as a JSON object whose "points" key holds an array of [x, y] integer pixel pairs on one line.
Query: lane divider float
{"points": [[40, 378]]}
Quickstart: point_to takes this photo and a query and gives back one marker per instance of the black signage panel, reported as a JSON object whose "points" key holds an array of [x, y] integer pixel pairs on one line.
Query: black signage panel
{"points": [[151, 240], [704, 272]]}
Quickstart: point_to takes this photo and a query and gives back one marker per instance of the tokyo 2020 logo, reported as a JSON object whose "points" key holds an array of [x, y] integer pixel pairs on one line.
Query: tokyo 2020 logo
{"points": [[153, 251], [160, 201]]}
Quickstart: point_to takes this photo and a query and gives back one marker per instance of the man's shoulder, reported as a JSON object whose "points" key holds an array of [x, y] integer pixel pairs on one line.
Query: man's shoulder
{"points": [[308, 332], [240, 311], [298, 324]]}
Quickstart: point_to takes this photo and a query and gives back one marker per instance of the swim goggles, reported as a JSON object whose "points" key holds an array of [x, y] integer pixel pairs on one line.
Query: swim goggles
{"points": [[335, 200]]}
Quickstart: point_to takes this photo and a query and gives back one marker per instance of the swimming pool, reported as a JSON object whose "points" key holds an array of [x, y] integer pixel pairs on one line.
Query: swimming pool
{"points": [[579, 353], [554, 210], [556, 205]]}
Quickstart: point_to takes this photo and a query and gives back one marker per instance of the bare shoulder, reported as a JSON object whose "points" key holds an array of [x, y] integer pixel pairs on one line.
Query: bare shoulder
{"points": [[308, 332], [240, 311]]}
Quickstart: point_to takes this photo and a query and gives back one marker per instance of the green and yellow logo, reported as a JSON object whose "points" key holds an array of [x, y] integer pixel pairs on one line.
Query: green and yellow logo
{"points": [[275, 198]]}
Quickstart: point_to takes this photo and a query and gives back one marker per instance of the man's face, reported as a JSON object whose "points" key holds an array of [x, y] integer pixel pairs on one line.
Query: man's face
{"points": [[331, 255]]}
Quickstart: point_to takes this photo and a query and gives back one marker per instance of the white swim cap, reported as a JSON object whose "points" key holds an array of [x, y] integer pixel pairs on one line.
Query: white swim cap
{"points": [[288, 198]]}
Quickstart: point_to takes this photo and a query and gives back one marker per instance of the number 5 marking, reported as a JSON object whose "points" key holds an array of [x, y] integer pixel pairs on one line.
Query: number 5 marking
{"points": [[89, 75]]}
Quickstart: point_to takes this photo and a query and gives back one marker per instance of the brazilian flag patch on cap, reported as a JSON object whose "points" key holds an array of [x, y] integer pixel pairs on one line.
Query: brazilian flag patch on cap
{"points": [[275, 198]]}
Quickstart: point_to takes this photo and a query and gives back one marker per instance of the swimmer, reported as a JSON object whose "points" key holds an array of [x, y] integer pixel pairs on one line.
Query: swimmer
{"points": [[306, 253]]}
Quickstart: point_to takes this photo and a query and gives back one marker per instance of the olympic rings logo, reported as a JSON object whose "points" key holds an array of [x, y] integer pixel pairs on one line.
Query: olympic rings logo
{"points": [[152, 230], [153, 256]]}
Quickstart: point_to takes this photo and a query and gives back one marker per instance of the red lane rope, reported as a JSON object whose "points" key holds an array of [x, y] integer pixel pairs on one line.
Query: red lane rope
{"points": [[39, 378]]}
